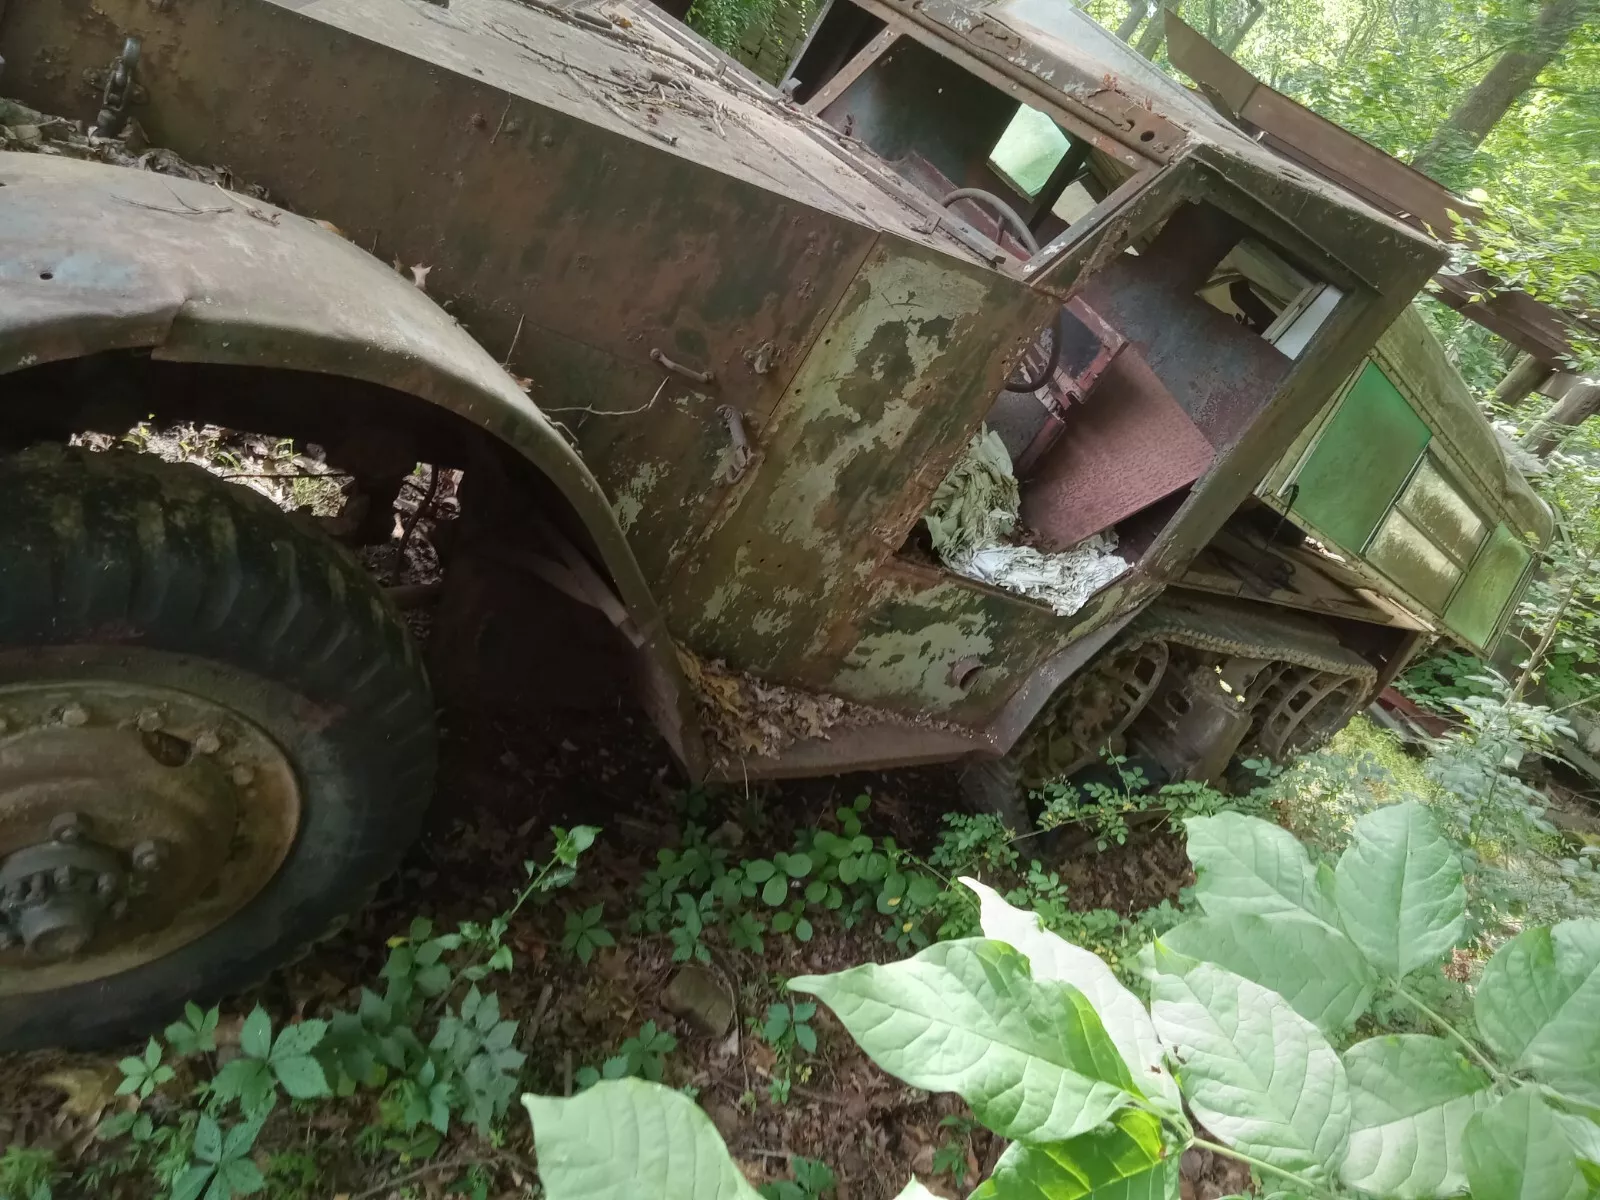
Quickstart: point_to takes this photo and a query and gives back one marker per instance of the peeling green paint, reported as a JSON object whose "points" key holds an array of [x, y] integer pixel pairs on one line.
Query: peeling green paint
{"points": [[634, 495], [911, 358]]}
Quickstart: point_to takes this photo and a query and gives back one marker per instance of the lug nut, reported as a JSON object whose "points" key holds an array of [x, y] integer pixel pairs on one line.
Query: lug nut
{"points": [[38, 886], [106, 884], [207, 743], [148, 721], [147, 856], [74, 715], [65, 874], [67, 827]]}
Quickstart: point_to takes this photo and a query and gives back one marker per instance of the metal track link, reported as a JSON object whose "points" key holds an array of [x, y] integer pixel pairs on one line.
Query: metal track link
{"points": [[1223, 629]]}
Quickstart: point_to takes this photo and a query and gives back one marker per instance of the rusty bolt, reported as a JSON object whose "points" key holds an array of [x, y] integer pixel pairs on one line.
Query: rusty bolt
{"points": [[242, 775], [148, 721], [74, 715], [207, 743], [147, 856], [67, 827]]}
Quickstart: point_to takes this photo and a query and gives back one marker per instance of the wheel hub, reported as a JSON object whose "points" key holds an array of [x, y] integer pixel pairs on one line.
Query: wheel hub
{"points": [[55, 894], [132, 821]]}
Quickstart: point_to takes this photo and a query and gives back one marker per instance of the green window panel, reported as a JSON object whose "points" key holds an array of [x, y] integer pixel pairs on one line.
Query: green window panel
{"points": [[1029, 151], [1447, 517], [1406, 555], [1357, 467], [1488, 588]]}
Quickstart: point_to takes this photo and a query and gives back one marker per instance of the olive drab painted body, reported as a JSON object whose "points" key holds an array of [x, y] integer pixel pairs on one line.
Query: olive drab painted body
{"points": [[727, 341]]}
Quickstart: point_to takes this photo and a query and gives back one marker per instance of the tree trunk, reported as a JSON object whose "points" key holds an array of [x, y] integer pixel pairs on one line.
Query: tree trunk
{"points": [[1155, 33], [1524, 377], [1239, 34], [1512, 74], [1581, 403], [1136, 13]]}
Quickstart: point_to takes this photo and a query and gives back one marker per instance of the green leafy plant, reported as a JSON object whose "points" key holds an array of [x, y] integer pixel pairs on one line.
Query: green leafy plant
{"points": [[144, 1073], [950, 1156], [642, 1056], [1048, 1049], [266, 1064], [28, 1174], [1440, 678], [225, 1168], [433, 1046], [585, 934], [195, 1034], [813, 1180], [787, 1029]]}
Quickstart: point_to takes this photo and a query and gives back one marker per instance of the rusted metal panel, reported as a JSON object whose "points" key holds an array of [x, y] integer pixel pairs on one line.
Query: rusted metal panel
{"points": [[535, 205], [95, 258], [933, 643], [874, 418], [1126, 447]]}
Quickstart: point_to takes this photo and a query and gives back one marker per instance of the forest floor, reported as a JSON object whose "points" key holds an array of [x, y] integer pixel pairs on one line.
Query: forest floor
{"points": [[501, 787]]}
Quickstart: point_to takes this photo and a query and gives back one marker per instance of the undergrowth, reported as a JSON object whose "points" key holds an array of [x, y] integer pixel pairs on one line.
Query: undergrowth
{"points": [[428, 1059]]}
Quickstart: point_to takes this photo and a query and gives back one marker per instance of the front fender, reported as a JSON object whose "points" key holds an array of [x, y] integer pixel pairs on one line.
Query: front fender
{"points": [[96, 258]]}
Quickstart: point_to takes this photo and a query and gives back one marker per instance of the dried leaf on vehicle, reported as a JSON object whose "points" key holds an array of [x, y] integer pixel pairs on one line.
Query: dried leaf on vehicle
{"points": [[747, 718]]}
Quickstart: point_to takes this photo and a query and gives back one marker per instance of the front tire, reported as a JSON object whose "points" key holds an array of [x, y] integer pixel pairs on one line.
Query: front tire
{"points": [[217, 738]]}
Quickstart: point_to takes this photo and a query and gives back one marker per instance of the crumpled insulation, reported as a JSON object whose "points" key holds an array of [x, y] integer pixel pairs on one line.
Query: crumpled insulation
{"points": [[975, 509]]}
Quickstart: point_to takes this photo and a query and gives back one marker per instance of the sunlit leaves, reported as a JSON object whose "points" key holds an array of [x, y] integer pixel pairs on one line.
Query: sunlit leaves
{"points": [[625, 1139], [1250, 866], [1317, 969], [1538, 1005], [1121, 1012], [1031, 1058], [1256, 1073], [1400, 894], [1516, 1151], [1410, 1100], [1124, 1160]]}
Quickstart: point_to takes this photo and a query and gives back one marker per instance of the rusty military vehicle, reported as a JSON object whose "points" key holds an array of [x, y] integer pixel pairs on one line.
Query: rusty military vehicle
{"points": [[706, 351]]}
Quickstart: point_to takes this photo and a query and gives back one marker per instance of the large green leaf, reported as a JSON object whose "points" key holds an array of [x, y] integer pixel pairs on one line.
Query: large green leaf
{"points": [[1121, 1012], [1257, 1074], [1030, 1057], [1120, 1161], [1516, 1151], [624, 1139], [1247, 865], [1315, 968], [1583, 1135], [1399, 889], [1538, 1005], [1410, 1100]]}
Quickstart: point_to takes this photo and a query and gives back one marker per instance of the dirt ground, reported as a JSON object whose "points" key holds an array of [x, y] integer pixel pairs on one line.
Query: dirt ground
{"points": [[500, 787]]}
